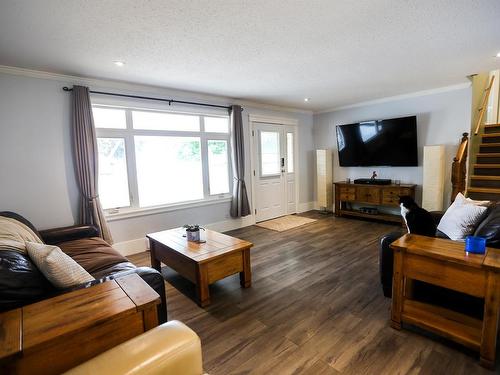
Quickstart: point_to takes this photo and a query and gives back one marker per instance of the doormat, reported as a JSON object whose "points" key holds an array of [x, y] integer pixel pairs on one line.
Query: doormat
{"points": [[287, 222]]}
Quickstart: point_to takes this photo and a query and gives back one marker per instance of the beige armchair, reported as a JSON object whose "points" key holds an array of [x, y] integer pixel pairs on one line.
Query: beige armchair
{"points": [[171, 348]]}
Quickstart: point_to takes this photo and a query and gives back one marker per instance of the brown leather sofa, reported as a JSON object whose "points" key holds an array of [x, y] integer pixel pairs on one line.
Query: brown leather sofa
{"points": [[21, 283]]}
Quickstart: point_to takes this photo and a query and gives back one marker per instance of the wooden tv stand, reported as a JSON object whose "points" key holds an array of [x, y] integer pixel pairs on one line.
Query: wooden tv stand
{"points": [[370, 196]]}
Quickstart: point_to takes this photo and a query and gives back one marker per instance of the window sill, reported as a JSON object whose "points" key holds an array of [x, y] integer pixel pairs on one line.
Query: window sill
{"points": [[126, 214]]}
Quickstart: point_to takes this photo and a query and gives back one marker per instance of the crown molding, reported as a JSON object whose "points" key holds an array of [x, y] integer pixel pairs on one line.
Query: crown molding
{"points": [[415, 94], [145, 89]]}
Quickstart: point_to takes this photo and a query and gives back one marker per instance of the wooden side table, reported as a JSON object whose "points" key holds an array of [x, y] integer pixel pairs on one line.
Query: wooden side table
{"points": [[54, 335], [445, 263]]}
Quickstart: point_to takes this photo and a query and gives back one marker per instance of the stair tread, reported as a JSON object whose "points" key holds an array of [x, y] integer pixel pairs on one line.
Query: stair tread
{"points": [[486, 165], [490, 135], [483, 190], [489, 178], [489, 154], [490, 144], [490, 125]]}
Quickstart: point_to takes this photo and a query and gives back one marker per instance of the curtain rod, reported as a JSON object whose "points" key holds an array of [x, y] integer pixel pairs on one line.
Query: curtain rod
{"points": [[169, 101]]}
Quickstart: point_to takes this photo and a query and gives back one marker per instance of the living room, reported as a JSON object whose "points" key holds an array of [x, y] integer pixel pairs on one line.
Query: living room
{"points": [[123, 122]]}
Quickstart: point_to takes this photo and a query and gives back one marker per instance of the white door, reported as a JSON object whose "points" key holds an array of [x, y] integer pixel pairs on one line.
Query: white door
{"points": [[274, 170]]}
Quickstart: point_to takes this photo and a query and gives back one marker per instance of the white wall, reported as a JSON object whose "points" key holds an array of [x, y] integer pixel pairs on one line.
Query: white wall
{"points": [[36, 168], [441, 119], [36, 171]]}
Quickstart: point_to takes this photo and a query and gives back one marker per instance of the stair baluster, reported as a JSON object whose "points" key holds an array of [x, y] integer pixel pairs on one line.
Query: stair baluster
{"points": [[459, 168]]}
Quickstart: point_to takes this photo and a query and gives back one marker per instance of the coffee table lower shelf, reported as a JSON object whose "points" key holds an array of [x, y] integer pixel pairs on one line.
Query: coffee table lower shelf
{"points": [[447, 323], [445, 264]]}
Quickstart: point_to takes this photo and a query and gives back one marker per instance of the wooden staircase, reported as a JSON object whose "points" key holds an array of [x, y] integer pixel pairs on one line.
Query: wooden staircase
{"points": [[485, 180]]}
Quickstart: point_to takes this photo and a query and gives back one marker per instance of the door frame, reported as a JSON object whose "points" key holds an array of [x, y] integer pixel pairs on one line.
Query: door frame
{"points": [[252, 119]]}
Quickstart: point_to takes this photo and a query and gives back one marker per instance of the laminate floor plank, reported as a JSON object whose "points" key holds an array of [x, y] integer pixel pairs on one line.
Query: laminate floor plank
{"points": [[315, 307]]}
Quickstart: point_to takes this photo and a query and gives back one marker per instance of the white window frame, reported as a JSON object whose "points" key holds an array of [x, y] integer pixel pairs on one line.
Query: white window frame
{"points": [[128, 135]]}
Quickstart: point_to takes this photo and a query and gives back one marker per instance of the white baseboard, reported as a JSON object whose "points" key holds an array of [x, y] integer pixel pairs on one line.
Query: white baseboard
{"points": [[139, 245], [130, 247], [232, 224], [307, 206]]}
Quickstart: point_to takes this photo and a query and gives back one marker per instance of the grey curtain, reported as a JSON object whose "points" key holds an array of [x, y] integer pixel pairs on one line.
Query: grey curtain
{"points": [[85, 155], [239, 203]]}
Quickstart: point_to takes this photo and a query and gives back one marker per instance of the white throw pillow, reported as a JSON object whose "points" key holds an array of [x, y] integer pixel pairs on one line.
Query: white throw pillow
{"points": [[472, 201], [59, 268], [461, 218]]}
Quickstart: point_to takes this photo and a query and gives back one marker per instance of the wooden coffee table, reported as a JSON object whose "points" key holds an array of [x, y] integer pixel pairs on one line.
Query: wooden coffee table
{"points": [[445, 263], [202, 263]]}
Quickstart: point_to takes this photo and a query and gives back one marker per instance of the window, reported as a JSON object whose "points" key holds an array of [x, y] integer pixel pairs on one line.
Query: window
{"points": [[270, 153], [113, 179], [168, 169], [216, 125], [165, 121], [218, 167], [109, 118], [150, 158], [289, 152]]}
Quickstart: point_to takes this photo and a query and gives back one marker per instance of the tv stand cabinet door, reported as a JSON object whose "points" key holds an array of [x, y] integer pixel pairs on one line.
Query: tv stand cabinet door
{"points": [[368, 194]]}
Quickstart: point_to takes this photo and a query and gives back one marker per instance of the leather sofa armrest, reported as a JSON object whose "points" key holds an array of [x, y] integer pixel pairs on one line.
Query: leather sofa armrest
{"points": [[75, 232], [171, 348], [154, 279], [151, 276], [386, 262]]}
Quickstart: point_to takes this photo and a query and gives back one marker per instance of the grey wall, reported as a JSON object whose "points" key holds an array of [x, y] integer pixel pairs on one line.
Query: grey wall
{"points": [[36, 172], [441, 120], [36, 169]]}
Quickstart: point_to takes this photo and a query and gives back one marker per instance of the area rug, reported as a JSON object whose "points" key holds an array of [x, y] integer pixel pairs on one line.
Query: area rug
{"points": [[287, 222]]}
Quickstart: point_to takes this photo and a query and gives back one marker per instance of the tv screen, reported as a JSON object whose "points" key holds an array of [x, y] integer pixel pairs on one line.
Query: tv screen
{"points": [[391, 142]]}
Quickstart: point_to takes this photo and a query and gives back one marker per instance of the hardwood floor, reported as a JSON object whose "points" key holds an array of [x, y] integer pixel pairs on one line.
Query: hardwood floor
{"points": [[315, 307]]}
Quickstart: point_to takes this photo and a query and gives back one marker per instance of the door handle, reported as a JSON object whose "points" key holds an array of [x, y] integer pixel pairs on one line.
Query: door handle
{"points": [[282, 162]]}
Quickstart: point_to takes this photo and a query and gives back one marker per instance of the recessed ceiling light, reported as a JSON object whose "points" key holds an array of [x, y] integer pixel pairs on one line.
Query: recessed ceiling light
{"points": [[119, 63], [307, 99]]}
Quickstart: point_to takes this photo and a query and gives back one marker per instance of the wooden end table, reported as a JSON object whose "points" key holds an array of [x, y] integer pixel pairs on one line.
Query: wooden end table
{"points": [[445, 263], [202, 263], [57, 334]]}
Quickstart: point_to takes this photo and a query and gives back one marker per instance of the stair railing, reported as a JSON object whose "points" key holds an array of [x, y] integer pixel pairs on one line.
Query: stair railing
{"points": [[459, 168], [484, 105]]}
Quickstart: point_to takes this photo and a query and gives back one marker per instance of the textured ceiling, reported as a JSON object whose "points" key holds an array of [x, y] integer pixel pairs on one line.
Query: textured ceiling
{"points": [[272, 51]]}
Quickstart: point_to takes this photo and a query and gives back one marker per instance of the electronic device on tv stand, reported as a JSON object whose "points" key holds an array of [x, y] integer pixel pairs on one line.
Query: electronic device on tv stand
{"points": [[373, 181]]}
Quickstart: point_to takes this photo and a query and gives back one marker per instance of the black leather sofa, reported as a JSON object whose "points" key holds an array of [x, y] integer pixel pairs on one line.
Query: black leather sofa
{"points": [[489, 228], [21, 283]]}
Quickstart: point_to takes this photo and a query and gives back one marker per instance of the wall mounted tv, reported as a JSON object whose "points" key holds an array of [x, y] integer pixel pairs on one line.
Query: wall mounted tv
{"points": [[391, 142]]}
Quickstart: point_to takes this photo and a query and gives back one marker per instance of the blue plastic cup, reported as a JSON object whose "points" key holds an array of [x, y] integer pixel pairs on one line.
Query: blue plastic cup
{"points": [[476, 245]]}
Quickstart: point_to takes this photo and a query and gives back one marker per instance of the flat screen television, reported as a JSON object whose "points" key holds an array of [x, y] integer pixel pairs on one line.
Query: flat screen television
{"points": [[391, 142]]}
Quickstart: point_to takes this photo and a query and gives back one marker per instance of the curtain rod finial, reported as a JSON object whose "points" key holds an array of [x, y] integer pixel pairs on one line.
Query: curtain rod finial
{"points": [[65, 88]]}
